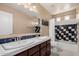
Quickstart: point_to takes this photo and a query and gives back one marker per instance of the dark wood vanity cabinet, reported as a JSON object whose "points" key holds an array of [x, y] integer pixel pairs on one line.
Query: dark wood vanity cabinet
{"points": [[24, 53], [48, 48], [43, 49], [33, 51]]}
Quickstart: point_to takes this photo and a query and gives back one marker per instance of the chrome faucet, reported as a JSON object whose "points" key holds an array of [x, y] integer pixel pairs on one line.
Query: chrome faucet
{"points": [[16, 39]]}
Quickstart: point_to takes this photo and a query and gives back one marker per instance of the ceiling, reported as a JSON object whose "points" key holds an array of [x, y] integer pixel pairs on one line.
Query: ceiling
{"points": [[21, 9], [55, 8], [52, 8], [41, 11]]}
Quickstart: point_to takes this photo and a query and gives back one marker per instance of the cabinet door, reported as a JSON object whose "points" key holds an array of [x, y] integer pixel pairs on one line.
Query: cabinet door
{"points": [[48, 48], [33, 50], [43, 51]]}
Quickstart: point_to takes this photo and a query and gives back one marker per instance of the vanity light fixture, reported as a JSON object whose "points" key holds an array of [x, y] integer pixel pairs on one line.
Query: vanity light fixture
{"points": [[67, 17], [58, 19], [19, 3], [34, 7], [30, 9], [29, 6], [25, 6], [77, 16]]}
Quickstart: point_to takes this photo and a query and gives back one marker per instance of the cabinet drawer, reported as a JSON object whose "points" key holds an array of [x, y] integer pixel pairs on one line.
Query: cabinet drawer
{"points": [[43, 45], [36, 54], [48, 50], [33, 50], [24, 53]]}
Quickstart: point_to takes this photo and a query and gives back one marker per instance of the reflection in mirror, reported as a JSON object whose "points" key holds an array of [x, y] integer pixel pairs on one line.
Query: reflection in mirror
{"points": [[6, 23]]}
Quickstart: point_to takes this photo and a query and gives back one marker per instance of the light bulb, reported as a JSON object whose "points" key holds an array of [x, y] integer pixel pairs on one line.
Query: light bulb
{"points": [[29, 3], [34, 7], [25, 6], [30, 9], [18, 3], [67, 17], [58, 19]]}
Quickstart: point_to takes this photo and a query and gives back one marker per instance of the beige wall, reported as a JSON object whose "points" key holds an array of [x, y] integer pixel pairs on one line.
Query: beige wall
{"points": [[21, 22], [43, 12], [46, 16], [45, 31]]}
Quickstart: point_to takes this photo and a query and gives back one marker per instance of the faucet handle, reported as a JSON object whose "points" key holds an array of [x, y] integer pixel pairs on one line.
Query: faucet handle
{"points": [[16, 39], [19, 38]]}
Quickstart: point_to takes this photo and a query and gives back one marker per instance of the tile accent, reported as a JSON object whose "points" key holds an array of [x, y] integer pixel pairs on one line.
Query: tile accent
{"points": [[66, 32]]}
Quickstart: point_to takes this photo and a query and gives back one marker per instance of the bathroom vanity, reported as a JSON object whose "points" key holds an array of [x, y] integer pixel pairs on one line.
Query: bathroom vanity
{"points": [[26, 45], [42, 49]]}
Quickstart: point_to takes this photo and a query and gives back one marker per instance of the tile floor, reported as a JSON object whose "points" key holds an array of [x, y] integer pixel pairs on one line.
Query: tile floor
{"points": [[64, 49]]}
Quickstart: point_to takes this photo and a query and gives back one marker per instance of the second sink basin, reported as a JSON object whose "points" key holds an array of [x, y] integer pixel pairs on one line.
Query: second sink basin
{"points": [[16, 44]]}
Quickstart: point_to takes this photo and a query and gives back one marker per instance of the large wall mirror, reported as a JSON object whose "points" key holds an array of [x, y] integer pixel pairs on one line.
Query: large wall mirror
{"points": [[6, 23]]}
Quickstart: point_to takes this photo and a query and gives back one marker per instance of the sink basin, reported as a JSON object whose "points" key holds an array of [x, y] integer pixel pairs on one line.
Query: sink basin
{"points": [[43, 37], [16, 44], [22, 43], [38, 39]]}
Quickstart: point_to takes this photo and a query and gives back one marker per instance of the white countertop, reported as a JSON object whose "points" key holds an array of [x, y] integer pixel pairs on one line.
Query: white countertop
{"points": [[11, 52]]}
